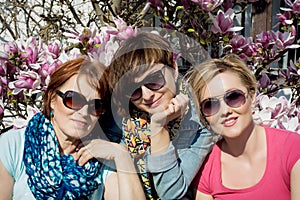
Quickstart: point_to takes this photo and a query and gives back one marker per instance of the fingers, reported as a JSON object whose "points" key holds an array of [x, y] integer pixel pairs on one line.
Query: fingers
{"points": [[83, 155], [176, 108], [97, 148], [178, 105]]}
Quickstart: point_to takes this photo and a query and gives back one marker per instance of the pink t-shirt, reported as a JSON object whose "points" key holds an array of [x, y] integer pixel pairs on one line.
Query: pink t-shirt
{"points": [[283, 151]]}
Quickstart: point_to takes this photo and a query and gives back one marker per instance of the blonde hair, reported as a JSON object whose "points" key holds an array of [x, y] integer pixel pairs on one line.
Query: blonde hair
{"points": [[203, 73]]}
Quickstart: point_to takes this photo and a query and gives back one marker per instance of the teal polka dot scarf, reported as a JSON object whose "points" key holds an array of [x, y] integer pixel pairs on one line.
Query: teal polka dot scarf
{"points": [[51, 175]]}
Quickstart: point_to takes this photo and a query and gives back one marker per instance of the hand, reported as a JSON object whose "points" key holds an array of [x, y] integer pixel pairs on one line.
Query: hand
{"points": [[160, 138], [176, 108], [100, 149]]}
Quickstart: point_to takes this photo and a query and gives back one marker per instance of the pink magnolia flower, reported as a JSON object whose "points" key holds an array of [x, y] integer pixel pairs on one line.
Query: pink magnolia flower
{"points": [[10, 47], [239, 42], [54, 48], [295, 6], [284, 19], [208, 5], [276, 112], [1, 108], [26, 80], [2, 70], [290, 123], [285, 40], [105, 53], [294, 68], [266, 38], [223, 23], [123, 30], [155, 3], [29, 49], [264, 81]]}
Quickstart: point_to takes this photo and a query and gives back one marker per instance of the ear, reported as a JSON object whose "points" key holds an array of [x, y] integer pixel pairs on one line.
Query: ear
{"points": [[253, 98], [53, 103]]}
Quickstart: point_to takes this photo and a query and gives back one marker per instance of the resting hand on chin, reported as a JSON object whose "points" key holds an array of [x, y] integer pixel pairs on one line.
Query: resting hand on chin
{"points": [[176, 108]]}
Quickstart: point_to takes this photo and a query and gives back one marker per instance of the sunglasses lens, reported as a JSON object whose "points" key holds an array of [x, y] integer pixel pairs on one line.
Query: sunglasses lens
{"points": [[210, 106], [136, 94], [235, 98], [154, 82], [96, 107], [74, 100]]}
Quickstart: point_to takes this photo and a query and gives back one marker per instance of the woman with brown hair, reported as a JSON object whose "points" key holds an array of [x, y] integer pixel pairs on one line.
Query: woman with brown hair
{"points": [[37, 162]]}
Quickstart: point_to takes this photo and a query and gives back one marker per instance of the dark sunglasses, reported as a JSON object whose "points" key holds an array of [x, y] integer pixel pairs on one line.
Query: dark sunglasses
{"points": [[153, 82], [233, 98], [76, 101]]}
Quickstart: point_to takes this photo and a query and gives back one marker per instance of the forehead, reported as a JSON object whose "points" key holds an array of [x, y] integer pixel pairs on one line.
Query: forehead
{"points": [[221, 83], [80, 83]]}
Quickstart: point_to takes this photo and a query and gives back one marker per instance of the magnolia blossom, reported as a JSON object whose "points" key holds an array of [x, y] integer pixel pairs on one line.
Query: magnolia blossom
{"points": [[208, 5], [105, 53], [26, 80], [285, 40], [1, 107], [2, 70], [295, 6], [284, 19], [267, 39], [277, 112], [239, 42], [54, 48], [122, 30], [223, 22]]}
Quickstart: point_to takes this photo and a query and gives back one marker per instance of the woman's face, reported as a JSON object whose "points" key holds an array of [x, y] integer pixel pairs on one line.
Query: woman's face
{"points": [[228, 121], [74, 124], [154, 89]]}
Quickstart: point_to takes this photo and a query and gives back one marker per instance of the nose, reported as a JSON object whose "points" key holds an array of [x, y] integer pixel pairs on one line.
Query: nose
{"points": [[224, 108], [147, 93], [84, 111]]}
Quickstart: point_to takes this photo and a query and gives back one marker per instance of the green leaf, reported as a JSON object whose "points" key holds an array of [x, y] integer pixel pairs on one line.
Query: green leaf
{"points": [[225, 38], [179, 8]]}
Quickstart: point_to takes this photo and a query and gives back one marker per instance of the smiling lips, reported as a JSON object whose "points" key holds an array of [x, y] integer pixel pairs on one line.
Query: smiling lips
{"points": [[154, 104], [80, 123], [230, 121]]}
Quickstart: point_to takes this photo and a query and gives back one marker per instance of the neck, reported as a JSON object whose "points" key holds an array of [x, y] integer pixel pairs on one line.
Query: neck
{"points": [[67, 146], [251, 141]]}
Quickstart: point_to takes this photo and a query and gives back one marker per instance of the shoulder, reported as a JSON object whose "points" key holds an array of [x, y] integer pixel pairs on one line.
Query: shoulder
{"points": [[287, 142], [12, 138], [12, 146], [282, 135]]}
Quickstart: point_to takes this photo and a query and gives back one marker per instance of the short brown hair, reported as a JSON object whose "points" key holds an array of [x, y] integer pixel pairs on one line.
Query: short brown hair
{"points": [[81, 65], [137, 55]]}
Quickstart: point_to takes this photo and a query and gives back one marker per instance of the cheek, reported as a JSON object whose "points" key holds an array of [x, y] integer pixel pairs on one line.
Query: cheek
{"points": [[213, 122], [135, 103], [94, 120]]}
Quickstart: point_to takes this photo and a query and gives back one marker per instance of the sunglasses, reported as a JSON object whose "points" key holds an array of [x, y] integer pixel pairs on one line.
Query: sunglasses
{"points": [[76, 101], [234, 99], [153, 82]]}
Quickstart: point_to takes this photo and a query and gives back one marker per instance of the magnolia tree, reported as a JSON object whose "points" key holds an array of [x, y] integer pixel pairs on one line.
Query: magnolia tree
{"points": [[27, 62]]}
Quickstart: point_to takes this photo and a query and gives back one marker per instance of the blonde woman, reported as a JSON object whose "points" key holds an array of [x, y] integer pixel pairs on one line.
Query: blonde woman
{"points": [[251, 161]]}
